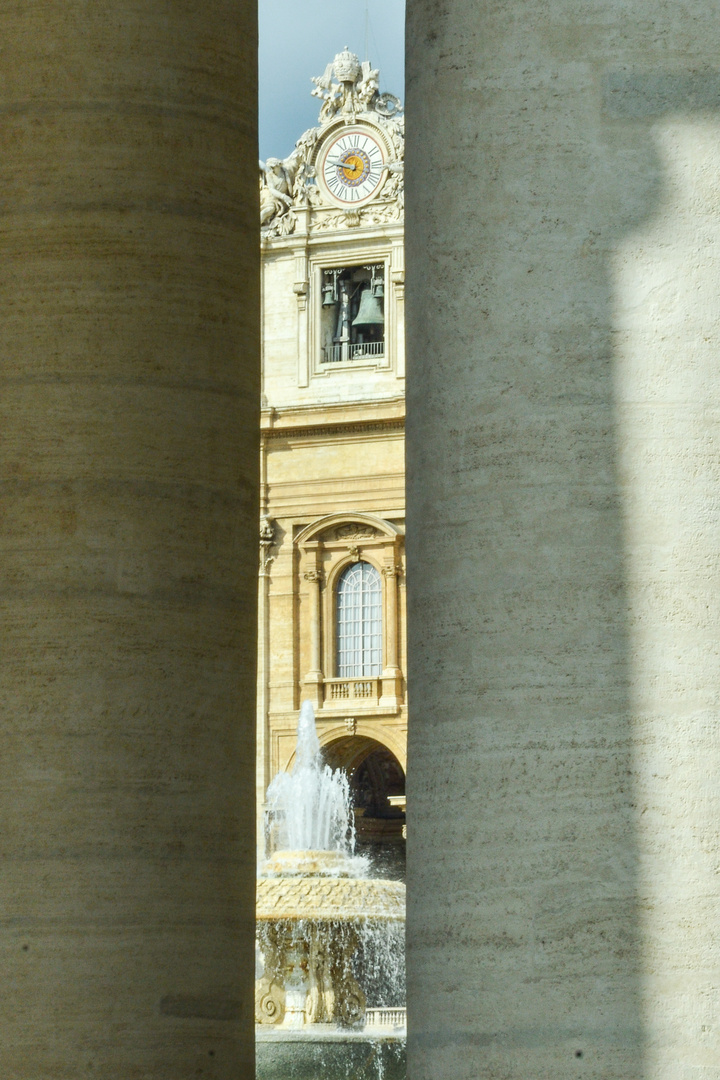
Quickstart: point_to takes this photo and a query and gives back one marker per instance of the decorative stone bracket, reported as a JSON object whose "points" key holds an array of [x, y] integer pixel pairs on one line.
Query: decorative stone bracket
{"points": [[267, 539]]}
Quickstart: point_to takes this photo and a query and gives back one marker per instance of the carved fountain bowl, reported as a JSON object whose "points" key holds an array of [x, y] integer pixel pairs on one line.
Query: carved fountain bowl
{"points": [[316, 885]]}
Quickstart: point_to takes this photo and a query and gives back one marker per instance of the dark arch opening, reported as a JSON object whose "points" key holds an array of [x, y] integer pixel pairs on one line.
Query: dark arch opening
{"points": [[377, 783]]}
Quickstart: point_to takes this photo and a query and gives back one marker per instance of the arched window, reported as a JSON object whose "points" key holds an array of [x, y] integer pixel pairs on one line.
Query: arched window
{"points": [[359, 622]]}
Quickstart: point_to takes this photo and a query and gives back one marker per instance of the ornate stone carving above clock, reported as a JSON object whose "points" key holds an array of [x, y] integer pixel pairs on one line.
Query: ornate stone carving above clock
{"points": [[347, 171]]}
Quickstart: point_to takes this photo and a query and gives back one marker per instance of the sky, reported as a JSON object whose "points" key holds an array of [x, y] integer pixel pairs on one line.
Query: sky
{"points": [[298, 38]]}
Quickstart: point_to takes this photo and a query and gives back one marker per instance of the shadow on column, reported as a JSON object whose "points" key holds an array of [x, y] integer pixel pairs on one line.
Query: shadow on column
{"points": [[530, 157]]}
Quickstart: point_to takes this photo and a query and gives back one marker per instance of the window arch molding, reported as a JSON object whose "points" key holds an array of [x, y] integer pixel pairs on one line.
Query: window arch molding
{"points": [[335, 572], [320, 528], [326, 548]]}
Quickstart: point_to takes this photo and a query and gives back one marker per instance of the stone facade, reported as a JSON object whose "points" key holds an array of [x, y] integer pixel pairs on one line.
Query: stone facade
{"points": [[332, 424]]}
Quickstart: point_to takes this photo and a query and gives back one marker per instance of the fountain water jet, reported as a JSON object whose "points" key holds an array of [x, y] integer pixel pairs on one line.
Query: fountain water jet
{"points": [[317, 903], [309, 813]]}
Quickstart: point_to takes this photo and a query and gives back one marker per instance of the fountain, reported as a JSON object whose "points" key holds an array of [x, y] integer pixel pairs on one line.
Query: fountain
{"points": [[325, 926]]}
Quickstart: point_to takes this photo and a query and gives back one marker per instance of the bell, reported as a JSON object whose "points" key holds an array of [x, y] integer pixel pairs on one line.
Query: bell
{"points": [[370, 311], [328, 296]]}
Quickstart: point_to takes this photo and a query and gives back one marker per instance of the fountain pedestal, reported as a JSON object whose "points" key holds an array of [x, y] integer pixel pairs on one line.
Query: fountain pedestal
{"points": [[308, 924]]}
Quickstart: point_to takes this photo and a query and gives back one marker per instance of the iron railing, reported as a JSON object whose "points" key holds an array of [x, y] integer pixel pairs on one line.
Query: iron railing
{"points": [[335, 354]]}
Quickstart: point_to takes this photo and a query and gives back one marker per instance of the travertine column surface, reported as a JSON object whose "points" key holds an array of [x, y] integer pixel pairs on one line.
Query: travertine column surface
{"points": [[128, 538], [563, 226]]}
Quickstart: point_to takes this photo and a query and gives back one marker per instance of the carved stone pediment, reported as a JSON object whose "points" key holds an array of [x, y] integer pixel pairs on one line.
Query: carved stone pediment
{"points": [[353, 531], [346, 529]]}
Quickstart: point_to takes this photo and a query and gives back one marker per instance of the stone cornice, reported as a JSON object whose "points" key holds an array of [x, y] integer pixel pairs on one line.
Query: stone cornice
{"points": [[334, 419], [303, 239]]}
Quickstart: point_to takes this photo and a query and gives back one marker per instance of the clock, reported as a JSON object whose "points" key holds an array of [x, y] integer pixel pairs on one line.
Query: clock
{"points": [[350, 166]]}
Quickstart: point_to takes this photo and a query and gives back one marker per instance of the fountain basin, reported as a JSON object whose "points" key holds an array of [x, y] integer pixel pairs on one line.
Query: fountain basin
{"points": [[314, 864], [308, 918], [322, 1051], [330, 899], [309, 930]]}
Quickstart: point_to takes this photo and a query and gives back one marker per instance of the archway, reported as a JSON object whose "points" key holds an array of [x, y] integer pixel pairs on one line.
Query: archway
{"points": [[377, 783]]}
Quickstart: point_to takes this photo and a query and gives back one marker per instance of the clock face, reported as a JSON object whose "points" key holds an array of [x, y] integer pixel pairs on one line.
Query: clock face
{"points": [[351, 166]]}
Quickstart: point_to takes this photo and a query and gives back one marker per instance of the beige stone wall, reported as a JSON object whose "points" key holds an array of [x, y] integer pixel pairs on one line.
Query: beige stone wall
{"points": [[129, 346], [333, 444], [291, 295], [352, 466], [562, 432]]}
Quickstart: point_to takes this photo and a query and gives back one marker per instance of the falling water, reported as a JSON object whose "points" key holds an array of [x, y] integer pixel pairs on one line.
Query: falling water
{"points": [[310, 808]]}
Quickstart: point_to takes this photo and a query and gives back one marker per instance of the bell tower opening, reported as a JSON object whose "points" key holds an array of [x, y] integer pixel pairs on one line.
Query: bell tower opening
{"points": [[353, 317]]}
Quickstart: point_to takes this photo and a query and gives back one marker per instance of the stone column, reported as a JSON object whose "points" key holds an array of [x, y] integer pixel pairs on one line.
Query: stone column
{"points": [[562, 331], [128, 562], [391, 672], [314, 677]]}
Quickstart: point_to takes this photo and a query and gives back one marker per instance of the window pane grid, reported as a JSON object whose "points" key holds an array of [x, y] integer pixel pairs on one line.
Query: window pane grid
{"points": [[359, 622]]}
